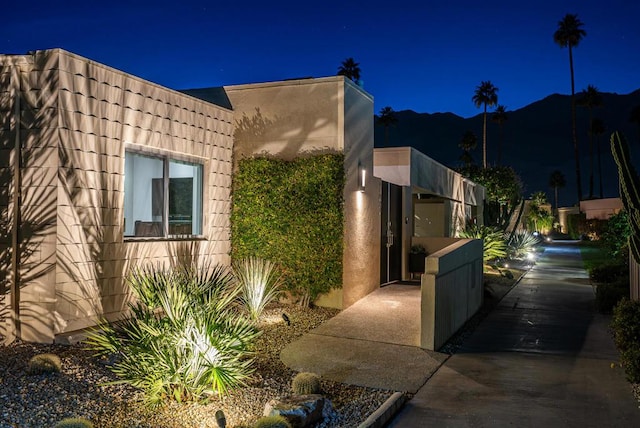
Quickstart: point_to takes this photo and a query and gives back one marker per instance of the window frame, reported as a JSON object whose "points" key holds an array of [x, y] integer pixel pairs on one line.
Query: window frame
{"points": [[166, 157]]}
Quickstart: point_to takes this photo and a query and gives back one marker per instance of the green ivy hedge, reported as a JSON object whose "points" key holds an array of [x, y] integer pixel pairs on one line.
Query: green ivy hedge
{"points": [[291, 212]]}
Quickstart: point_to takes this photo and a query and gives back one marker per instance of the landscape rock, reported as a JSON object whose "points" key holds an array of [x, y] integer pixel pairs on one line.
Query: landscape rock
{"points": [[300, 410]]}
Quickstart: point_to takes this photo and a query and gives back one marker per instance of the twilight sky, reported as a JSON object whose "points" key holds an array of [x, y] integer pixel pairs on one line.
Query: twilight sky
{"points": [[427, 56]]}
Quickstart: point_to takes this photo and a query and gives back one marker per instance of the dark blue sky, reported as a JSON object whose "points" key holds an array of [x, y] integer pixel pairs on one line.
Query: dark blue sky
{"points": [[425, 55]]}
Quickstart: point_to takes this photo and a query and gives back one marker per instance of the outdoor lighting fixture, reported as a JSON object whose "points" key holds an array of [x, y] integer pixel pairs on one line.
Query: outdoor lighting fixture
{"points": [[531, 256], [362, 177], [221, 419]]}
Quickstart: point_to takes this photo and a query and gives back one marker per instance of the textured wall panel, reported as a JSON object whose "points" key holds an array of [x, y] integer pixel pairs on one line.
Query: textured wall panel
{"points": [[77, 116]]}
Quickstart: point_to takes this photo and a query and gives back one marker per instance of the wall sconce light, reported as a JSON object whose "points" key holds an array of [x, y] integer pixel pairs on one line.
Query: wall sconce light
{"points": [[362, 177]]}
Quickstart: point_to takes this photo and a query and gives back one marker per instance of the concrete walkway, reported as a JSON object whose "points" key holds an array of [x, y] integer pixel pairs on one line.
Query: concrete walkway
{"points": [[372, 343], [542, 358]]}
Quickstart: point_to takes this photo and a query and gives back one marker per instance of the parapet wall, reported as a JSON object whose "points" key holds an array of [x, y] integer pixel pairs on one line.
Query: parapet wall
{"points": [[452, 290]]}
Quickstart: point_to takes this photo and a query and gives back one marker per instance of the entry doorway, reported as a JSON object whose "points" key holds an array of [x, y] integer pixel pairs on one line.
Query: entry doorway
{"points": [[391, 233]]}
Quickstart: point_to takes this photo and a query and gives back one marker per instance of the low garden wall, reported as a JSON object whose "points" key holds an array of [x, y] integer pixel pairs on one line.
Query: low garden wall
{"points": [[452, 290]]}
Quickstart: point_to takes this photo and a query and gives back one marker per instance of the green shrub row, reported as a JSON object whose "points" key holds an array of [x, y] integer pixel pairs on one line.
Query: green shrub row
{"points": [[291, 213], [625, 325], [609, 294]]}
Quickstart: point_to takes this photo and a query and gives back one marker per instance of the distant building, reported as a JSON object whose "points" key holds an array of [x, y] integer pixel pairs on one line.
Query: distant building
{"points": [[601, 209]]}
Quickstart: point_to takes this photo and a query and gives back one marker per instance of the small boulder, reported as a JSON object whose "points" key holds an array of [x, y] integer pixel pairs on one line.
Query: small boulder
{"points": [[301, 410]]}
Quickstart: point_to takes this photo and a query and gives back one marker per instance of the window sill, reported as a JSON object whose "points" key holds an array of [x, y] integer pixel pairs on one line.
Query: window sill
{"points": [[163, 238]]}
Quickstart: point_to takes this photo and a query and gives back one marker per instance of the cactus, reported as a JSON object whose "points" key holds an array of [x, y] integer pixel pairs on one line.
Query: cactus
{"points": [[273, 422], [44, 363], [629, 189], [306, 383], [74, 423]]}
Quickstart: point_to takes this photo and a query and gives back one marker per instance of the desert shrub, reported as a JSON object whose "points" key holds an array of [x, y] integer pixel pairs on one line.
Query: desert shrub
{"points": [[260, 284], [493, 241], [625, 325], [306, 383], [44, 363], [521, 243], [615, 236], [609, 294], [291, 212], [577, 225], [74, 423], [609, 272], [630, 360], [185, 336], [273, 422]]}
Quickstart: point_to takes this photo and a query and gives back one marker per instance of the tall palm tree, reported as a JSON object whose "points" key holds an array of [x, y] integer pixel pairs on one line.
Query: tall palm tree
{"points": [[350, 69], [486, 95], [590, 98], [468, 143], [597, 129], [387, 119], [634, 117], [499, 116], [556, 180], [568, 35]]}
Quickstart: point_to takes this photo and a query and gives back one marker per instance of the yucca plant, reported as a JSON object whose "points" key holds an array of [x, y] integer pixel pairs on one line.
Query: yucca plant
{"points": [[259, 282], [185, 336], [521, 243], [493, 240]]}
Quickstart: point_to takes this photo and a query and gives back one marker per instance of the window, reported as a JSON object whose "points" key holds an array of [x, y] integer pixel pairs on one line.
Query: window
{"points": [[162, 196]]}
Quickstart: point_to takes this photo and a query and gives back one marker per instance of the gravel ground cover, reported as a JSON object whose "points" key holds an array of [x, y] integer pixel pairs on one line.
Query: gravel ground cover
{"points": [[80, 390]]}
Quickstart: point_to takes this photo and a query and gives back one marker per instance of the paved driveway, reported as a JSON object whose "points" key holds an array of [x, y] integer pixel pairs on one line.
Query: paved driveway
{"points": [[542, 358]]}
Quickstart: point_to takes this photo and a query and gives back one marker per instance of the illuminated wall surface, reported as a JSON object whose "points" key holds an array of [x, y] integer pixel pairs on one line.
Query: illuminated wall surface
{"points": [[71, 120], [67, 241], [297, 117]]}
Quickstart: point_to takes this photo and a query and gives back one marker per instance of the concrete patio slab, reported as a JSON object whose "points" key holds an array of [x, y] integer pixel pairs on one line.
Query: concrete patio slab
{"points": [[373, 343], [363, 362]]}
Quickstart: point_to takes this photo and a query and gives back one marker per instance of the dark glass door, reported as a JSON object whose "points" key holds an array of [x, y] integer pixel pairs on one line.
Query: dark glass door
{"points": [[391, 224]]}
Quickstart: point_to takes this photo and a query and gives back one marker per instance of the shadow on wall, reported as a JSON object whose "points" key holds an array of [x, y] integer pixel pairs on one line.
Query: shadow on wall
{"points": [[288, 134], [28, 228]]}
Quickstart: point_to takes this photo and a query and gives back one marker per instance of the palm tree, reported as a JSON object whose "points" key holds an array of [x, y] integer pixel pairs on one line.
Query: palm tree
{"points": [[569, 34], [468, 142], [387, 119], [634, 117], [556, 180], [597, 129], [486, 95], [590, 99], [499, 116], [350, 69]]}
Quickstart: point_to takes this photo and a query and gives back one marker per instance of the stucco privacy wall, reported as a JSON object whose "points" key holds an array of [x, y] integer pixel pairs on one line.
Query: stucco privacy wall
{"points": [[291, 118], [77, 118]]}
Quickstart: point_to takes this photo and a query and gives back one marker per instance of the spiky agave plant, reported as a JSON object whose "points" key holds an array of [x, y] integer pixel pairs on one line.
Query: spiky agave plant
{"points": [[522, 242], [259, 282], [494, 245], [184, 338]]}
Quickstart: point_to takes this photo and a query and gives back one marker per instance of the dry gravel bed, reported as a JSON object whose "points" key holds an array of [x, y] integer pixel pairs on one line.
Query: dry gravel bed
{"points": [[80, 390]]}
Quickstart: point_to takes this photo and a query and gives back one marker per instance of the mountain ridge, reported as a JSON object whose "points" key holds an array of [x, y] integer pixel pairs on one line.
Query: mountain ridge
{"points": [[537, 140]]}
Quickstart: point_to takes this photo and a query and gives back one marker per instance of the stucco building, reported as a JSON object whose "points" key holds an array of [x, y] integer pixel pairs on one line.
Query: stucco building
{"points": [[102, 171]]}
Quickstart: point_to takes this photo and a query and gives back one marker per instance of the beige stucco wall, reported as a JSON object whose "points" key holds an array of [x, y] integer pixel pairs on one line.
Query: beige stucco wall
{"points": [[601, 209], [291, 118], [85, 114]]}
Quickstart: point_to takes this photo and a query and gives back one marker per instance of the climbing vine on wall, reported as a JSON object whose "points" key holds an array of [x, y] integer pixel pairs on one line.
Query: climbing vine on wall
{"points": [[291, 212]]}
